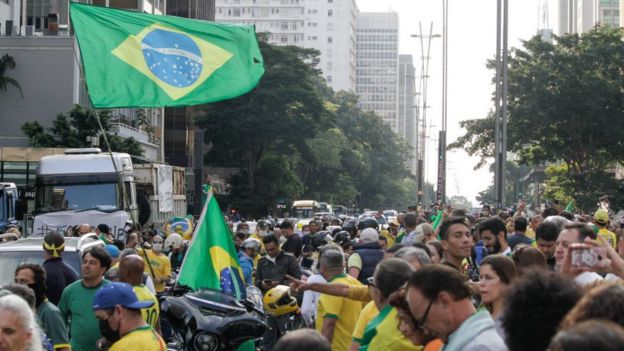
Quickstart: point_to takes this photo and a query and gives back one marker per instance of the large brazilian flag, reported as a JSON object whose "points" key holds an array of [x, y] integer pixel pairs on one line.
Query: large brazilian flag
{"points": [[133, 59]]}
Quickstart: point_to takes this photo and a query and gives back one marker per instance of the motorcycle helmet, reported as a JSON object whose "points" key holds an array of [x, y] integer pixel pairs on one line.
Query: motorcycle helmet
{"points": [[251, 243], [350, 225], [368, 223], [321, 239], [278, 302], [262, 224], [342, 237], [173, 241]]}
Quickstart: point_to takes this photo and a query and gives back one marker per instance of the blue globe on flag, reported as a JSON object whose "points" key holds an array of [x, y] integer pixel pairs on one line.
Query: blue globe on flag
{"points": [[172, 57]]}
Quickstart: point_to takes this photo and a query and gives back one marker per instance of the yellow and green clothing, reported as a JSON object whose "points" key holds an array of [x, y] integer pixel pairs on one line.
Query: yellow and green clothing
{"points": [[344, 310], [369, 312], [608, 236], [150, 314], [382, 333], [162, 269], [140, 339]]}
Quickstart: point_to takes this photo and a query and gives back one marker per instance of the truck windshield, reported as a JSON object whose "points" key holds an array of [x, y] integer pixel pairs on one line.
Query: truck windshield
{"points": [[78, 197], [304, 212]]}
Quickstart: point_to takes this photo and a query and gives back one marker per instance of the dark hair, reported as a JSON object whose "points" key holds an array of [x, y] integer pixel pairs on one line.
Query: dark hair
{"points": [[527, 257], [433, 279], [503, 266], [410, 220], [286, 225], [55, 239], [390, 275], [534, 306], [584, 230], [495, 225], [520, 224], [568, 215], [446, 225], [103, 228], [39, 275], [302, 340], [547, 231], [24, 292], [270, 238], [119, 244], [550, 211], [241, 235], [605, 301], [438, 247], [99, 253], [383, 238], [589, 335], [424, 247], [458, 212], [394, 248]]}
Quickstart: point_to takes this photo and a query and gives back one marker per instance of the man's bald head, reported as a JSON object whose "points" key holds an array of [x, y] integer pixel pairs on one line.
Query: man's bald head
{"points": [[131, 270], [84, 229]]}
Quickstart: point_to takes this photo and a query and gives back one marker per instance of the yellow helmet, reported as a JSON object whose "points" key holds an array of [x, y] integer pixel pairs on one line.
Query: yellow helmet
{"points": [[278, 301]]}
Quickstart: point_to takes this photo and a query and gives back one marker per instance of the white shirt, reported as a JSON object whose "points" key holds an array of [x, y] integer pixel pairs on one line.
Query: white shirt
{"points": [[587, 278], [310, 301]]}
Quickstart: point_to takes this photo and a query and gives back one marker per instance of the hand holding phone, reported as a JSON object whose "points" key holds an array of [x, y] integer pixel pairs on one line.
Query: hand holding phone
{"points": [[590, 257]]}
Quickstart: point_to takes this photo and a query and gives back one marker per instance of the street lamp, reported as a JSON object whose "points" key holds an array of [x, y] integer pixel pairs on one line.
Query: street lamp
{"points": [[424, 71]]}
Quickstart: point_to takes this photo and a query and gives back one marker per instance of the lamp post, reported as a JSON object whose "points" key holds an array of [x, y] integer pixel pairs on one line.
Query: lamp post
{"points": [[441, 191], [500, 136]]}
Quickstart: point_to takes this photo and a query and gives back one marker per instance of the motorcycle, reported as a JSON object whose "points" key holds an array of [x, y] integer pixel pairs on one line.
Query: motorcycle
{"points": [[209, 320], [284, 310]]}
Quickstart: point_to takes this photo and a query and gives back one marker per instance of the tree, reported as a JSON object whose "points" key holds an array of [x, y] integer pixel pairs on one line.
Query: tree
{"points": [[7, 62], [513, 187], [74, 129], [566, 106], [462, 202]]}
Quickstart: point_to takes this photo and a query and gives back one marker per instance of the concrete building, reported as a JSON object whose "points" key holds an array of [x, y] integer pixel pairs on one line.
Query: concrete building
{"points": [[408, 113], [325, 25], [578, 16], [377, 65], [47, 70], [9, 17]]}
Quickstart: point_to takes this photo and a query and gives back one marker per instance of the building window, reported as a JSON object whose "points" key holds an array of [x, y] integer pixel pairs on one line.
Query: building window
{"points": [[330, 13], [330, 40], [329, 79]]}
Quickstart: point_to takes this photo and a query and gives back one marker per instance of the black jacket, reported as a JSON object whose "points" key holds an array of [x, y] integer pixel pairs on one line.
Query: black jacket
{"points": [[285, 263]]}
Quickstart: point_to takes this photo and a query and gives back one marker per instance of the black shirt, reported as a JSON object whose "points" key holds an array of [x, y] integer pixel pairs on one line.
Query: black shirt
{"points": [[285, 263], [58, 275], [293, 244]]}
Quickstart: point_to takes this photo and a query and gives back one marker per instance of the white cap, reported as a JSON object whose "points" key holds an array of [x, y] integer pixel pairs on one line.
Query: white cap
{"points": [[369, 235]]}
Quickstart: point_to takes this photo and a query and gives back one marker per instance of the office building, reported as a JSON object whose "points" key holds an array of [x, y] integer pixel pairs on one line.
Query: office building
{"points": [[377, 65], [408, 112], [579, 16]]}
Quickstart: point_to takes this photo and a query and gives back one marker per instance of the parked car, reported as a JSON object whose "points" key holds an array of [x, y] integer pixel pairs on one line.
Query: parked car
{"points": [[14, 253]]}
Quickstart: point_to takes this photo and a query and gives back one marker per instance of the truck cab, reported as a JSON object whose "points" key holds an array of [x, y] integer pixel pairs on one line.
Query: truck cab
{"points": [[82, 186], [8, 206]]}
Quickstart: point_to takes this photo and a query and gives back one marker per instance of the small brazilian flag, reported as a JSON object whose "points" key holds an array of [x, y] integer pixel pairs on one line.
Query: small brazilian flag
{"points": [[211, 261], [133, 59]]}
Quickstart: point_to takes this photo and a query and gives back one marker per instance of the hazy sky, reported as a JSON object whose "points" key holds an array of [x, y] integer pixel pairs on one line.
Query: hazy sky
{"points": [[471, 41]]}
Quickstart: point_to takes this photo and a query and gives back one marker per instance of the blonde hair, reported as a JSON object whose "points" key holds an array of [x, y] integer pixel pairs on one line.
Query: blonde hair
{"points": [[26, 317]]}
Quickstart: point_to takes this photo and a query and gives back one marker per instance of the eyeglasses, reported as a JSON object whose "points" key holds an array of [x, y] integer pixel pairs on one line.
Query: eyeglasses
{"points": [[420, 323]]}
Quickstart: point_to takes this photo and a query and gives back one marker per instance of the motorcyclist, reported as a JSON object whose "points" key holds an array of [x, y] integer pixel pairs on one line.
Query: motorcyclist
{"points": [[249, 251], [177, 250]]}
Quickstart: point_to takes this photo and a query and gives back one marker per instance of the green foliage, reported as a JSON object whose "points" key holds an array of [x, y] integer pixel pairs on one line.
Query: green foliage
{"points": [[566, 103], [7, 62], [73, 130], [294, 138], [459, 201], [513, 187]]}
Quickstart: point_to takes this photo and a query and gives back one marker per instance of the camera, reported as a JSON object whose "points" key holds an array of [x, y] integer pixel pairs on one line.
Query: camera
{"points": [[594, 257]]}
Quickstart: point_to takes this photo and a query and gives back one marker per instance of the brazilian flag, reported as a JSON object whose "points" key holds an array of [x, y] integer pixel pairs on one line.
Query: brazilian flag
{"points": [[133, 59]]}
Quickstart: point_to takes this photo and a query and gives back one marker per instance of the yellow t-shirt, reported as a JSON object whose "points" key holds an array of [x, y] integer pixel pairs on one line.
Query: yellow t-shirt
{"points": [[359, 293], [530, 233], [161, 266], [369, 312], [389, 238], [344, 310], [140, 339], [609, 237], [388, 337], [150, 314]]}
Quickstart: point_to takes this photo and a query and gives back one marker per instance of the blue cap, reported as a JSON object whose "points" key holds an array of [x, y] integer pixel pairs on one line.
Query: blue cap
{"points": [[115, 294], [112, 250]]}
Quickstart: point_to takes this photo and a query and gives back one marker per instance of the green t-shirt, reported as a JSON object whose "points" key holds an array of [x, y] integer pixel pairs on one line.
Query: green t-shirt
{"points": [[52, 323], [75, 306]]}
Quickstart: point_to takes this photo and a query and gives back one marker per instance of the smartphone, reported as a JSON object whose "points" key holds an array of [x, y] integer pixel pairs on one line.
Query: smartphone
{"points": [[592, 257]]}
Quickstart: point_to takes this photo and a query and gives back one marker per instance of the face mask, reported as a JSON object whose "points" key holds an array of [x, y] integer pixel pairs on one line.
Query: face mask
{"points": [[39, 296], [246, 231], [306, 232], [107, 332], [282, 239], [157, 247], [261, 232]]}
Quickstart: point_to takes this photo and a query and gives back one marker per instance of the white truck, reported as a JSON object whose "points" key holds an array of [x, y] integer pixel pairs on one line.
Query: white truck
{"points": [[82, 186]]}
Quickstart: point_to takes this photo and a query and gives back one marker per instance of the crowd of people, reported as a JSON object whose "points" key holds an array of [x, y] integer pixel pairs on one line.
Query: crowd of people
{"points": [[551, 280], [111, 304]]}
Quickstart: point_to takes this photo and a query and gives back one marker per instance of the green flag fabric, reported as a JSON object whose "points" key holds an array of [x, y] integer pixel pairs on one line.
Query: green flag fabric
{"points": [[133, 59], [211, 260]]}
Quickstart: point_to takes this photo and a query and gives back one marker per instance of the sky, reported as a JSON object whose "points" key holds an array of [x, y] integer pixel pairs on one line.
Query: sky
{"points": [[471, 42]]}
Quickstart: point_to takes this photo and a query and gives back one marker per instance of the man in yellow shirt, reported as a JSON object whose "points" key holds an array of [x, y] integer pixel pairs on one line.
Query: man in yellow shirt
{"points": [[119, 313], [131, 270], [160, 265], [336, 316], [601, 219]]}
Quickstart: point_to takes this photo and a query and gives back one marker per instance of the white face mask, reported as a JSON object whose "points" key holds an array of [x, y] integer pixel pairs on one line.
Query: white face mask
{"points": [[282, 239], [157, 247], [261, 232]]}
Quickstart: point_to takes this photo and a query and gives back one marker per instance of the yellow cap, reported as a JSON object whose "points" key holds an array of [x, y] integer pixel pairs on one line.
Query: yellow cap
{"points": [[601, 216]]}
